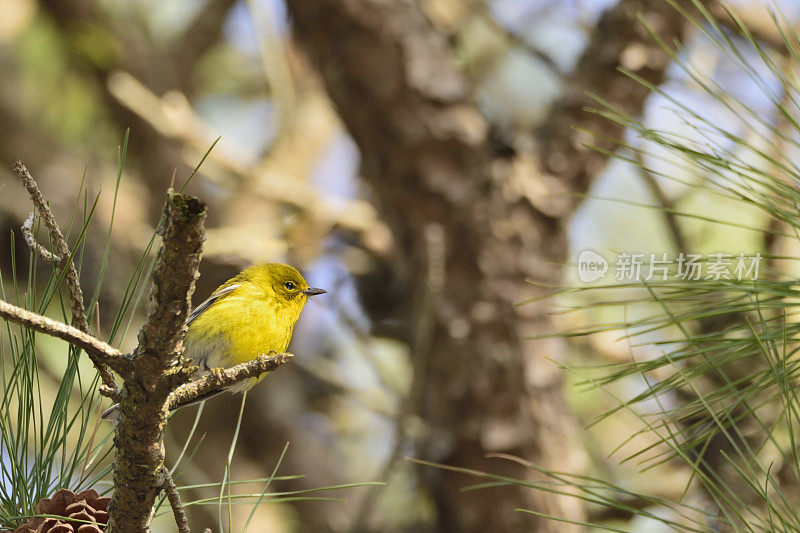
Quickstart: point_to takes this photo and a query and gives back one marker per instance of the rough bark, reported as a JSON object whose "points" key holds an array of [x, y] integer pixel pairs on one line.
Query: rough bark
{"points": [[479, 386], [470, 233], [156, 368]]}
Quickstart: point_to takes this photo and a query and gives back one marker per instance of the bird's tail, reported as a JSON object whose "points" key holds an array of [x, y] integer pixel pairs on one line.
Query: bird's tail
{"points": [[112, 413]]}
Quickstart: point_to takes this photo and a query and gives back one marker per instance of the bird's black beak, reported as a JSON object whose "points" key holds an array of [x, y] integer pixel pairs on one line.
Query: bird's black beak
{"points": [[311, 291]]}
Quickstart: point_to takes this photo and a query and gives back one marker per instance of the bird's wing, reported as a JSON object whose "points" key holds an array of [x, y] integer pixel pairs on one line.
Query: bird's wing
{"points": [[196, 312]]}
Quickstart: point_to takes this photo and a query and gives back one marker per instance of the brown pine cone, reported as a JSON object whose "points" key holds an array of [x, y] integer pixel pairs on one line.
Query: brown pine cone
{"points": [[86, 506]]}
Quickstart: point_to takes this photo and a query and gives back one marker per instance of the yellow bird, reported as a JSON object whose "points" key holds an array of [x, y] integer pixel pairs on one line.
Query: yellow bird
{"points": [[252, 313]]}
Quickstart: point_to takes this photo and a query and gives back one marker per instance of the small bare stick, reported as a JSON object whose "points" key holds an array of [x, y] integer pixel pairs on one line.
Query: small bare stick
{"points": [[95, 348], [223, 378], [73, 282], [46, 255], [175, 501]]}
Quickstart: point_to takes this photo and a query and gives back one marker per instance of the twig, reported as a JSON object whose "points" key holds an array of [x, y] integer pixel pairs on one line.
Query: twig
{"points": [[94, 347], [71, 273], [220, 379], [175, 501], [46, 255], [59, 243]]}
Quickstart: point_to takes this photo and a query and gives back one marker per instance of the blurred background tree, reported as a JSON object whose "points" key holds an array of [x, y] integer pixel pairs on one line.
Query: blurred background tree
{"points": [[421, 160]]}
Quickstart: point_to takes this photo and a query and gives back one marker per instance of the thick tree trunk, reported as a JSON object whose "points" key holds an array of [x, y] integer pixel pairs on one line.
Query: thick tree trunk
{"points": [[469, 235], [466, 250]]}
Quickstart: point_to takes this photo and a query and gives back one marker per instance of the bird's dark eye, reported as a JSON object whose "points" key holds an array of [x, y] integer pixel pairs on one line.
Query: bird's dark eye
{"points": [[289, 285]]}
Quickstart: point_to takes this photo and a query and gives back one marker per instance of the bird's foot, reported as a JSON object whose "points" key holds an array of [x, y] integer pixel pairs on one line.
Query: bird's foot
{"points": [[217, 373], [267, 355]]}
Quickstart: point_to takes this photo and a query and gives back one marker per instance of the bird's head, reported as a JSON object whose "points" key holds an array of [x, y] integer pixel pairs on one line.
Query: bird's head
{"points": [[281, 283]]}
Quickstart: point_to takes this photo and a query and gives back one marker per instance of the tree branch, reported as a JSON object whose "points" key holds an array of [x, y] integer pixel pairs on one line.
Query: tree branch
{"points": [[60, 245], [223, 378], [95, 348], [157, 367], [46, 255], [71, 273], [153, 375], [175, 501]]}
